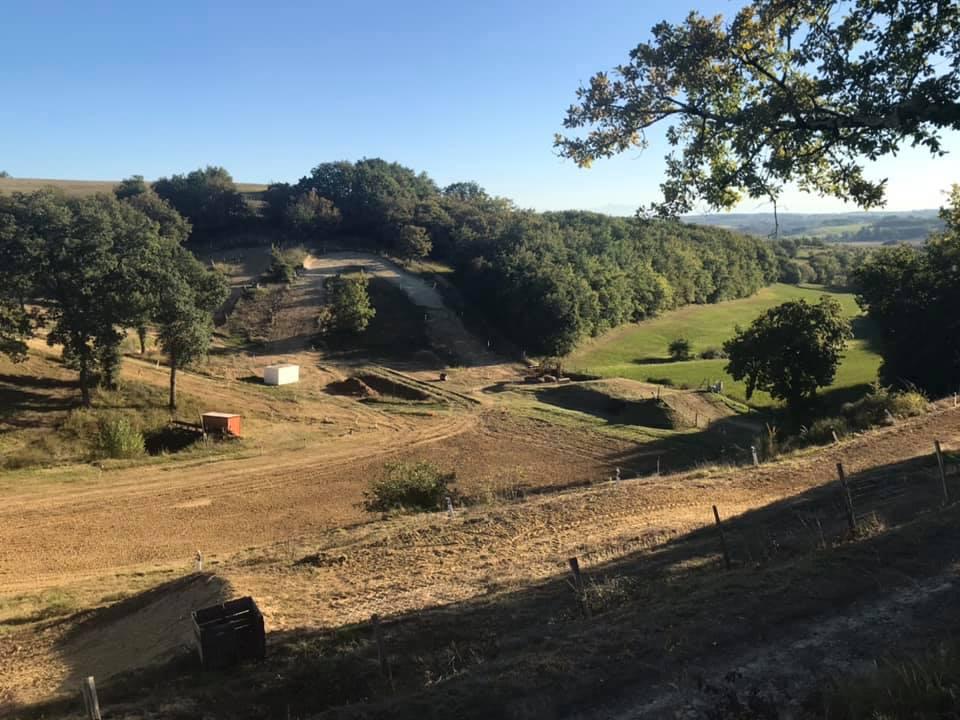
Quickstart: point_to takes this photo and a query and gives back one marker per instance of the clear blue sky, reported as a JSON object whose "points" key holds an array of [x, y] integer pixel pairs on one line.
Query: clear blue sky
{"points": [[465, 91]]}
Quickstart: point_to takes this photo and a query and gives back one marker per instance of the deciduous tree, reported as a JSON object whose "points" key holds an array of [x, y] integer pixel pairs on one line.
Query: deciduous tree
{"points": [[349, 303], [913, 296], [787, 90], [189, 295], [790, 350]]}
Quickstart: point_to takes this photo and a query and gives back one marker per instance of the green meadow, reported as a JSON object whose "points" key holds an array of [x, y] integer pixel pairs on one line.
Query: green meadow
{"points": [[639, 351]]}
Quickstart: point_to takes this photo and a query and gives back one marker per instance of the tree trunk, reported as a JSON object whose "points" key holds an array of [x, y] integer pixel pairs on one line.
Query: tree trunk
{"points": [[142, 334], [173, 383], [85, 381]]}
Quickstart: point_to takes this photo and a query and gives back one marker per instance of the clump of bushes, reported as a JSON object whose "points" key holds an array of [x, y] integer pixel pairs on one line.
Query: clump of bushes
{"points": [[409, 486], [713, 353], [680, 349], [881, 404], [118, 438], [876, 408], [348, 308], [284, 264], [821, 431]]}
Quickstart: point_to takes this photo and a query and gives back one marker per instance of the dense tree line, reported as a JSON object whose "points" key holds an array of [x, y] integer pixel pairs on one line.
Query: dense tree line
{"points": [[545, 280], [88, 268], [913, 295], [830, 265], [549, 280]]}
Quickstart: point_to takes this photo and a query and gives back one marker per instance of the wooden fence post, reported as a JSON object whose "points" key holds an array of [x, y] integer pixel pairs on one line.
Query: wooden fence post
{"points": [[723, 538], [943, 472], [385, 671], [835, 438], [578, 587], [847, 499], [88, 688], [753, 452]]}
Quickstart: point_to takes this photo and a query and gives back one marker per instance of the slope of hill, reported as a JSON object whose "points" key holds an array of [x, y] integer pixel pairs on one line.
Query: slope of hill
{"points": [[639, 351], [481, 622], [88, 187], [873, 227]]}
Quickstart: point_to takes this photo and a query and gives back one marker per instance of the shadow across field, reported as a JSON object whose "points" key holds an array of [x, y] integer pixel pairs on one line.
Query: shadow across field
{"points": [[19, 393], [667, 625]]}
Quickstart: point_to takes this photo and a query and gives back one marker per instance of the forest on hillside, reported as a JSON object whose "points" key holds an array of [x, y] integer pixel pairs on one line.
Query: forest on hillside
{"points": [[543, 280]]}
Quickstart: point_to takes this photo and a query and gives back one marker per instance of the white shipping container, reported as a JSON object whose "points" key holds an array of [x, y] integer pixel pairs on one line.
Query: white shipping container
{"points": [[281, 374]]}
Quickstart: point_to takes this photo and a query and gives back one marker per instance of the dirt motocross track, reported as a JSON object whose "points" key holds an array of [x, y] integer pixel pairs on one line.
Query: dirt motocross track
{"points": [[282, 520]]}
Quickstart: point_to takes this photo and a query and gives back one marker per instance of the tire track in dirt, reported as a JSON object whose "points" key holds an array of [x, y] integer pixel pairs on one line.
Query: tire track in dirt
{"points": [[401, 565]]}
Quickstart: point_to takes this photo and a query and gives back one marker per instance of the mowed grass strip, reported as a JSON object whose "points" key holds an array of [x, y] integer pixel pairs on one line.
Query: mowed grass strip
{"points": [[639, 351]]}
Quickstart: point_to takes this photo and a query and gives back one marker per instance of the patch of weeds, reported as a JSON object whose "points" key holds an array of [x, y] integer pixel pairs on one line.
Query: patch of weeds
{"points": [[502, 488], [24, 609], [923, 687], [118, 438], [409, 486], [869, 527], [609, 592]]}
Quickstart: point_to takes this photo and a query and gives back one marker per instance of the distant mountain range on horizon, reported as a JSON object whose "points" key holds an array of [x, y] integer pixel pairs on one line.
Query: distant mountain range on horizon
{"points": [[873, 226]]}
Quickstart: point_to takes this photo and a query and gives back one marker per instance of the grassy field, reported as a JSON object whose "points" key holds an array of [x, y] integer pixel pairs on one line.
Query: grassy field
{"points": [[639, 351], [86, 187]]}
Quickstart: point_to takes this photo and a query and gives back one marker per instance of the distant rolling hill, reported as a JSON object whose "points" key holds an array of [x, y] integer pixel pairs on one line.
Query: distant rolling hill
{"points": [[857, 227], [90, 187]]}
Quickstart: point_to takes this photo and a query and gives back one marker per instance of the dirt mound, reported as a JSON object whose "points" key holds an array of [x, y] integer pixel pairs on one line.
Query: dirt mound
{"points": [[629, 403], [391, 387], [147, 629], [353, 387]]}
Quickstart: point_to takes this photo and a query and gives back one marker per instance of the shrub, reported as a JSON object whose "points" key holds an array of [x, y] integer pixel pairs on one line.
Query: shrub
{"points": [[349, 303], [821, 431], [284, 264], [713, 353], [908, 404], [768, 443], [408, 486], [680, 349], [877, 407], [118, 438]]}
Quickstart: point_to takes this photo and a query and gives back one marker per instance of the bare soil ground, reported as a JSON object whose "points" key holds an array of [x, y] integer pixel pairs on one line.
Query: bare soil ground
{"points": [[445, 329], [309, 578], [96, 560]]}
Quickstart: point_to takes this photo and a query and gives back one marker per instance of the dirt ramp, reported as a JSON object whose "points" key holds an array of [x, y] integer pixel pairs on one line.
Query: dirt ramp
{"points": [[351, 387], [147, 629], [629, 403]]}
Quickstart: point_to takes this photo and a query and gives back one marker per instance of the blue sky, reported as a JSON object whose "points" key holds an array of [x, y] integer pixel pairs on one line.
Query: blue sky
{"points": [[465, 91]]}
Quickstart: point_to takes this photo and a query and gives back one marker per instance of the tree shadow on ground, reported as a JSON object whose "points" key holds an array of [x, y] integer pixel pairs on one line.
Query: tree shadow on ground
{"points": [[664, 620]]}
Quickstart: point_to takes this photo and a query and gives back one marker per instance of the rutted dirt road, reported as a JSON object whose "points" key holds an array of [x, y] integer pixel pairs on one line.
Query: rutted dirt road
{"points": [[445, 329]]}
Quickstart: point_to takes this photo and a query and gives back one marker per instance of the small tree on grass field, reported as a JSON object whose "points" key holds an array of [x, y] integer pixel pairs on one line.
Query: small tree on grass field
{"points": [[680, 349], [408, 486], [790, 350], [348, 302]]}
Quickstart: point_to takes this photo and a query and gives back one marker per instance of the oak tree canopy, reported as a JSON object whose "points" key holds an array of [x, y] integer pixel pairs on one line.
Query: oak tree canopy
{"points": [[797, 91]]}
